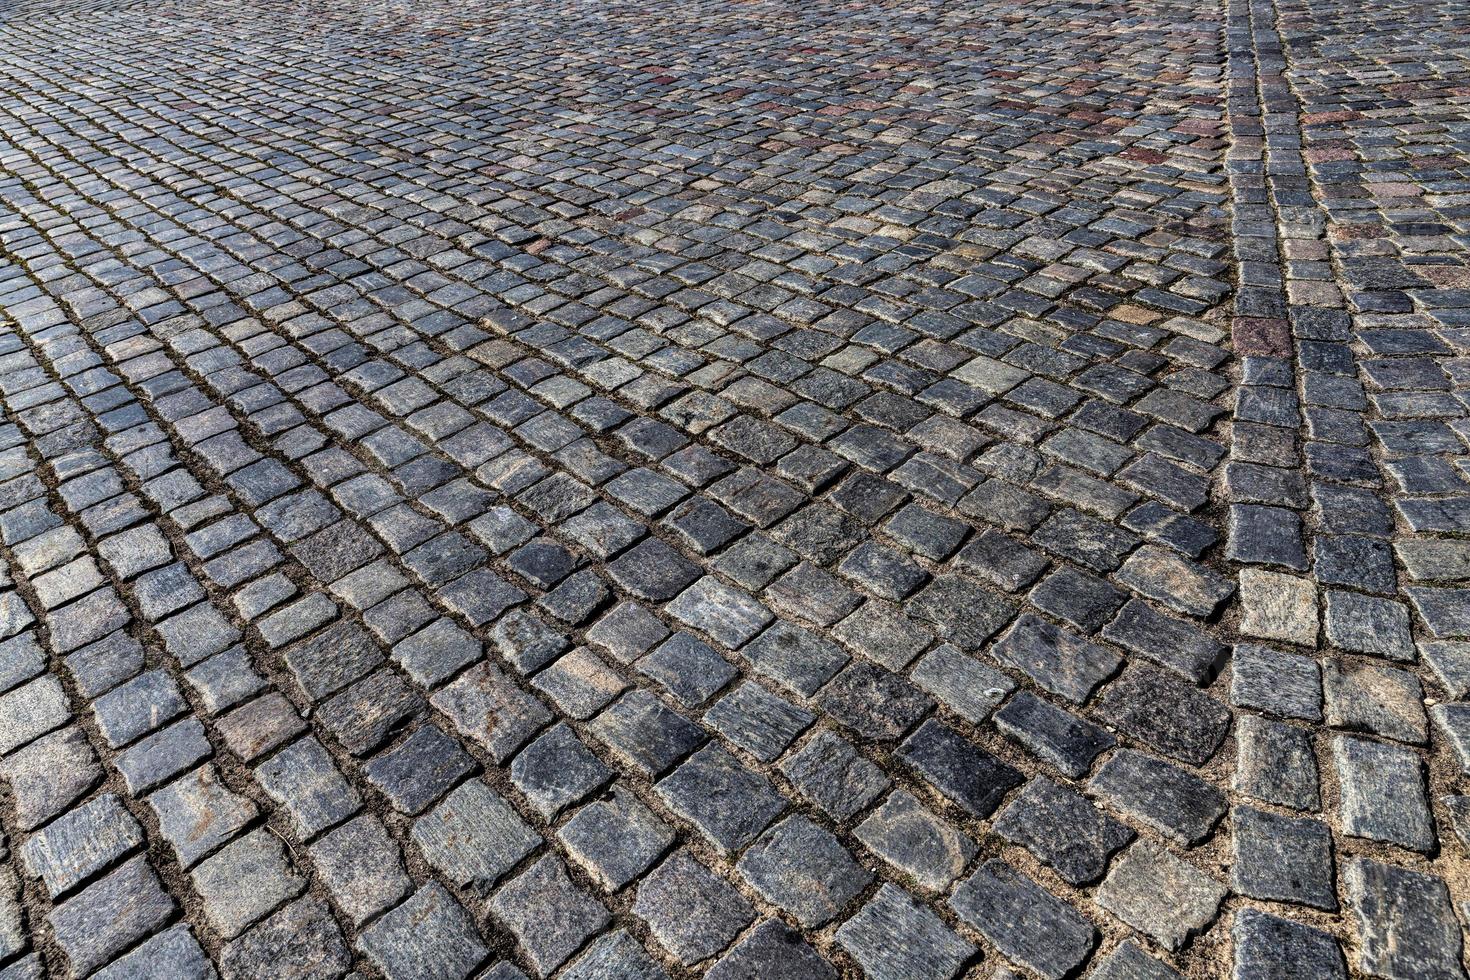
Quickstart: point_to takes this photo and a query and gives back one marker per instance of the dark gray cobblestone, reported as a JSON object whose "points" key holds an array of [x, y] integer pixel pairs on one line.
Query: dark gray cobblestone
{"points": [[734, 490]]}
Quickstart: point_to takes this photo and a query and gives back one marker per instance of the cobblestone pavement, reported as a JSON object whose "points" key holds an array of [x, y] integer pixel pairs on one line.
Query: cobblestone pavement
{"points": [[735, 489]]}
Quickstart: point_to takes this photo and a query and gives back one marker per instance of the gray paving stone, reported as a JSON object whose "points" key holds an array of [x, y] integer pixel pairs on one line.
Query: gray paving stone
{"points": [[244, 881], [1129, 962], [1165, 714], [644, 734], [197, 814], [724, 800], [893, 937], [1061, 662], [80, 843], [1382, 793], [692, 913], [30, 711], [428, 936], [557, 770], [473, 837], [873, 702], [1027, 924], [303, 779], [832, 774], [772, 950], [1284, 859], [1063, 830], [758, 721], [49, 774], [109, 915], [419, 770], [1278, 683], [962, 684], [1056, 736], [302, 942], [1406, 926], [1275, 762], [614, 956], [549, 915], [361, 868], [615, 839], [1160, 895], [163, 755], [1160, 795], [1270, 947], [960, 770], [1374, 699], [803, 870], [174, 952], [916, 842], [486, 706]]}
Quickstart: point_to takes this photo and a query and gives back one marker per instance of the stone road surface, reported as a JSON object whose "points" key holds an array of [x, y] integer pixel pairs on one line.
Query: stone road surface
{"points": [[735, 488]]}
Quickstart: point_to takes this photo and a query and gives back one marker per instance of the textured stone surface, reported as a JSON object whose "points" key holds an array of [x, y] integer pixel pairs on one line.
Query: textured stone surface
{"points": [[456, 461], [1160, 895], [1024, 922]]}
